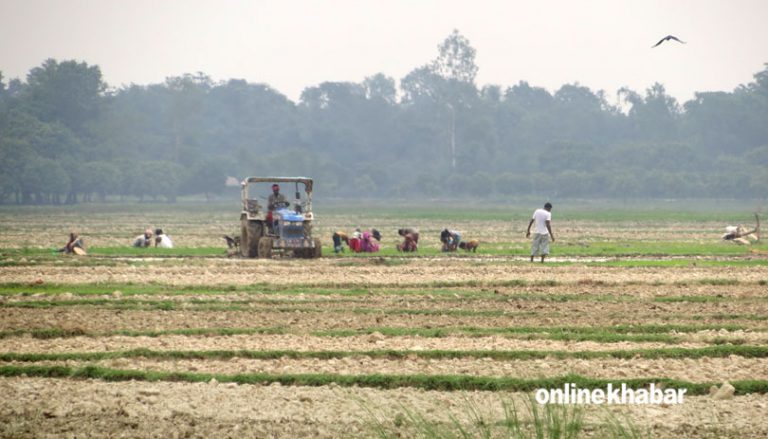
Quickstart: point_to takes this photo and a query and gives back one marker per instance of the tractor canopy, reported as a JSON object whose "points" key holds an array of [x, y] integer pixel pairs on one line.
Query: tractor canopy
{"points": [[307, 182], [255, 192]]}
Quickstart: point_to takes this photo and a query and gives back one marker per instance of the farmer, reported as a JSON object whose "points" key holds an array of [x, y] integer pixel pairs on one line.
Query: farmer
{"points": [[275, 201], [74, 245], [411, 242], [450, 240], [543, 232], [339, 238], [162, 240], [740, 235], [144, 240], [355, 240], [367, 243]]}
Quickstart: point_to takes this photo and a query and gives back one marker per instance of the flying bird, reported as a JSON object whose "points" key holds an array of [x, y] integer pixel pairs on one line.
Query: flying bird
{"points": [[667, 38]]}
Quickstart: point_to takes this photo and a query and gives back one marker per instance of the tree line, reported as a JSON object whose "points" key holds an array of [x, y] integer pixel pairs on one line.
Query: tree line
{"points": [[67, 137]]}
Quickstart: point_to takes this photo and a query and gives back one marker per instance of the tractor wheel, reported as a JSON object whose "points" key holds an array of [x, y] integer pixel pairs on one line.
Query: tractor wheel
{"points": [[250, 232], [265, 247], [317, 252]]}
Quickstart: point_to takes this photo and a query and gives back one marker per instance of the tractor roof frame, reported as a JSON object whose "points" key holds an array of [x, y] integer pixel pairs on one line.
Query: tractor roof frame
{"points": [[306, 181]]}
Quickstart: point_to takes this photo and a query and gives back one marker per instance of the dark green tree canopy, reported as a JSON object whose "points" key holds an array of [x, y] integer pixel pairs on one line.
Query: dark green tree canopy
{"points": [[66, 137]]}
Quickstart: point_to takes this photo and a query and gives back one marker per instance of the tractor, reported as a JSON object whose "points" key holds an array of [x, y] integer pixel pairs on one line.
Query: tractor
{"points": [[286, 229]]}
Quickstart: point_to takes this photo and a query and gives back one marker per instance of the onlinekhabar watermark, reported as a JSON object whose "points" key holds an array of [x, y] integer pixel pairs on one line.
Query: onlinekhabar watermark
{"points": [[570, 393]]}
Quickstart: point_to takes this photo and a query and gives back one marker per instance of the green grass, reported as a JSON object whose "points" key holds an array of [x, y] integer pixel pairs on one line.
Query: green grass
{"points": [[611, 333], [49, 333], [718, 351], [330, 288], [245, 306], [550, 421], [217, 305], [96, 255], [136, 304], [565, 249], [426, 382], [528, 420], [390, 256]]}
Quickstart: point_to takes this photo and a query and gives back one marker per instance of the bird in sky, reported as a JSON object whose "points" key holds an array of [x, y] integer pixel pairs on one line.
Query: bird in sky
{"points": [[667, 38]]}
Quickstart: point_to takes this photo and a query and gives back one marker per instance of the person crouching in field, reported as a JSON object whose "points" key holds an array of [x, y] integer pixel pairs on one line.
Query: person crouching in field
{"points": [[162, 240], [144, 240], [740, 235], [543, 232], [354, 241], [367, 243], [450, 240], [74, 245], [411, 240], [339, 238], [363, 242]]}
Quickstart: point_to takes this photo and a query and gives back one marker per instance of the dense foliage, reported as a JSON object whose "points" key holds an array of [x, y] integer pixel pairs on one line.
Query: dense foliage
{"points": [[65, 136]]}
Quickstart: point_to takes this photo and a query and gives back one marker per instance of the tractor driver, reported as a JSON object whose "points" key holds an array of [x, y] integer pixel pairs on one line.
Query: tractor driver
{"points": [[276, 200]]}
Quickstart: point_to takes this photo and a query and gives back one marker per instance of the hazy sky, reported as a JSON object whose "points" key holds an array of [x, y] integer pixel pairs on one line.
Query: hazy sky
{"points": [[293, 44]]}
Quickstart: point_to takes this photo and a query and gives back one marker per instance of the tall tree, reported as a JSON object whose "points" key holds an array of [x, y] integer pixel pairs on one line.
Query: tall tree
{"points": [[422, 85], [456, 59], [187, 100], [380, 87], [655, 116], [68, 92]]}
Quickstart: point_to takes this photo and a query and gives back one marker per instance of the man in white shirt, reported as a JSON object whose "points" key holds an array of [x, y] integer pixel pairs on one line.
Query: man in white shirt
{"points": [[162, 240], [543, 233]]}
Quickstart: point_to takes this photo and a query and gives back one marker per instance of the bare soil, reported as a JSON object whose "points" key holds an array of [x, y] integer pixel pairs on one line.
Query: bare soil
{"points": [[35, 407], [330, 271], [419, 293]]}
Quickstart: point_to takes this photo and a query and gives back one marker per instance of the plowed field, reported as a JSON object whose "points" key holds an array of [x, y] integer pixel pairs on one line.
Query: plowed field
{"points": [[175, 345]]}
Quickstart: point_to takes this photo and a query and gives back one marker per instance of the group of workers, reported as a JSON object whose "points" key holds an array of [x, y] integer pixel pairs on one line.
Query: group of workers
{"points": [[451, 239], [161, 239], [358, 242], [368, 241], [76, 244], [363, 241]]}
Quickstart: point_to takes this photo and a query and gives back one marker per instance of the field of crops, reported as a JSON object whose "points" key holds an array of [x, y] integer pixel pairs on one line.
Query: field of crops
{"points": [[188, 342]]}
